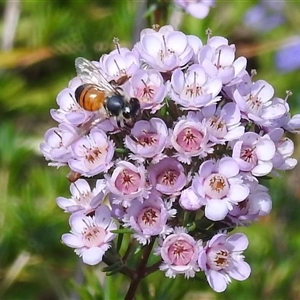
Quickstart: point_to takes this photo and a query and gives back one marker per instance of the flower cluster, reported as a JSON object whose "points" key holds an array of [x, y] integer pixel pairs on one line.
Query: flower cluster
{"points": [[189, 171]]}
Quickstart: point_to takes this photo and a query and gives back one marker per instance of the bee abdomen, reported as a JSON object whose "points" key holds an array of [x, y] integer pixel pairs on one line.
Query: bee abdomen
{"points": [[90, 97]]}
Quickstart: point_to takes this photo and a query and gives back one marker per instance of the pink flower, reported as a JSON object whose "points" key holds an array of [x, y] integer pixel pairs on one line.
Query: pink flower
{"points": [[190, 139], [92, 153], [149, 88], [194, 88], [167, 176], [152, 138], [90, 236], [223, 123], [69, 110], [218, 59], [149, 218], [293, 124], [254, 153], [164, 49], [179, 252], [257, 204], [189, 200], [284, 149], [220, 186], [222, 258], [126, 183], [254, 100], [56, 145], [83, 198], [119, 63]]}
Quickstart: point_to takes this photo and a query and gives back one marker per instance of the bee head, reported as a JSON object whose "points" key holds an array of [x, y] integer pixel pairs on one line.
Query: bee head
{"points": [[132, 111]]}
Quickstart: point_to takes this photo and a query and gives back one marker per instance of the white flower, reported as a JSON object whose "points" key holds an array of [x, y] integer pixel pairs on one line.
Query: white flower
{"points": [[165, 49], [90, 236]]}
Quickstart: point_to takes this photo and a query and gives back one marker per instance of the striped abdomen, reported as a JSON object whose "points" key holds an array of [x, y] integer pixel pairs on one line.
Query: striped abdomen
{"points": [[90, 97]]}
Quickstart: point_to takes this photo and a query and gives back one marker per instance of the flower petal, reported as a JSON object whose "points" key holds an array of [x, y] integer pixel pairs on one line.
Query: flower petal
{"points": [[216, 209], [72, 240], [217, 281], [92, 256]]}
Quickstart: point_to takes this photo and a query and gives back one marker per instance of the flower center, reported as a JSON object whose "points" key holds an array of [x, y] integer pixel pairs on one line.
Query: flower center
{"points": [[218, 62], [84, 199], [93, 236], [248, 155], [217, 127], [193, 90], [218, 258], [148, 139], [240, 209], [94, 154], [146, 94], [181, 253], [167, 178], [128, 181], [165, 51], [216, 186], [148, 217], [254, 103], [190, 139]]}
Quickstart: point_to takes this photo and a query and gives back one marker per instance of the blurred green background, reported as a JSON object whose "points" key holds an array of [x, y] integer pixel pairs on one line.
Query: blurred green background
{"points": [[40, 40]]}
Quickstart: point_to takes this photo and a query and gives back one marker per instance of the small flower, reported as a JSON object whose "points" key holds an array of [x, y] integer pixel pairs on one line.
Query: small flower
{"points": [[179, 252], [223, 123], [149, 218], [190, 139], [220, 186], [149, 88], [254, 100], [167, 176], [254, 153], [69, 110], [90, 236], [257, 204], [119, 63], [194, 88], [56, 145], [189, 200], [284, 149], [152, 138], [83, 198], [218, 59], [222, 258], [126, 183], [165, 49], [92, 153], [197, 8]]}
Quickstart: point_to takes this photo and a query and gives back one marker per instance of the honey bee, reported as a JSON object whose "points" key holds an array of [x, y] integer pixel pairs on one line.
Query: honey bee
{"points": [[98, 95]]}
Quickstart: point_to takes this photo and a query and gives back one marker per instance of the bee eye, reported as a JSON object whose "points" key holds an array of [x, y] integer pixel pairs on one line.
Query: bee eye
{"points": [[135, 107], [126, 114]]}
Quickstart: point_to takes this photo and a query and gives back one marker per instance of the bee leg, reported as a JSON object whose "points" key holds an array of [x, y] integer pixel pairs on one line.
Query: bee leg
{"points": [[127, 131], [119, 123]]}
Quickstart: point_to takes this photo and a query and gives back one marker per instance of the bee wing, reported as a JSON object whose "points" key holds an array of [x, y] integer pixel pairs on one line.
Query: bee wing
{"points": [[85, 128], [89, 73]]}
